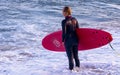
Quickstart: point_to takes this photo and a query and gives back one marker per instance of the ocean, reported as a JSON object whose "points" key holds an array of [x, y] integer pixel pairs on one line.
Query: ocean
{"points": [[24, 23]]}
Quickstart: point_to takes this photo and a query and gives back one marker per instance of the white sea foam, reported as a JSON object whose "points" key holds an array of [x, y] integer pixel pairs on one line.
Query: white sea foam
{"points": [[23, 25]]}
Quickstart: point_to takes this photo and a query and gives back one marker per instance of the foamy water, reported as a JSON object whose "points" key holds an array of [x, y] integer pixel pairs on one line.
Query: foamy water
{"points": [[23, 25]]}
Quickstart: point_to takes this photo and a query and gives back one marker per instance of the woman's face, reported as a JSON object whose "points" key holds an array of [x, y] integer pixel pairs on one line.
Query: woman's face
{"points": [[64, 14]]}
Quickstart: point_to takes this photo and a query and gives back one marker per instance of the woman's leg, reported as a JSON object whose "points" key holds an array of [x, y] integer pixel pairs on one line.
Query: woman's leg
{"points": [[75, 54], [70, 57]]}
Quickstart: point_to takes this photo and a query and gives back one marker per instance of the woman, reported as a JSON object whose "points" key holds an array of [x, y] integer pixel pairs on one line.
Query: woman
{"points": [[69, 37]]}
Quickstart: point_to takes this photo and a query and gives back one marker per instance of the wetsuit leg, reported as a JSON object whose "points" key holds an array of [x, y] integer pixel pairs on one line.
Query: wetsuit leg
{"points": [[75, 54], [70, 57]]}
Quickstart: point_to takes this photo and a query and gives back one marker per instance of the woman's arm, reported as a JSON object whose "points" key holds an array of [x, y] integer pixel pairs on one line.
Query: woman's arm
{"points": [[77, 24], [63, 30]]}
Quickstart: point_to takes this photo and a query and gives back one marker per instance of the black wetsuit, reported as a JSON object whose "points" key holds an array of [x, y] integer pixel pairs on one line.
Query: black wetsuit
{"points": [[70, 39]]}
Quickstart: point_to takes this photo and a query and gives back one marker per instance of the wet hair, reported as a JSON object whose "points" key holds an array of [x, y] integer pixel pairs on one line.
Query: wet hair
{"points": [[67, 10]]}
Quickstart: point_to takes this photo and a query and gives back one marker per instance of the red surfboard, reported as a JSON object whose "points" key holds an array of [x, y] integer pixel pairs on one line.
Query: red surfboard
{"points": [[88, 39]]}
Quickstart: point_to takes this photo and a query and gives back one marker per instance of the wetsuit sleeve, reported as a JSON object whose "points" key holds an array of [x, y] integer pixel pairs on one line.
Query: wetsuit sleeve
{"points": [[63, 31], [77, 24]]}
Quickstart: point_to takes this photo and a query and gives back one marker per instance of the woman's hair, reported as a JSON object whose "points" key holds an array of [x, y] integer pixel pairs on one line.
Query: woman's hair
{"points": [[67, 10]]}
